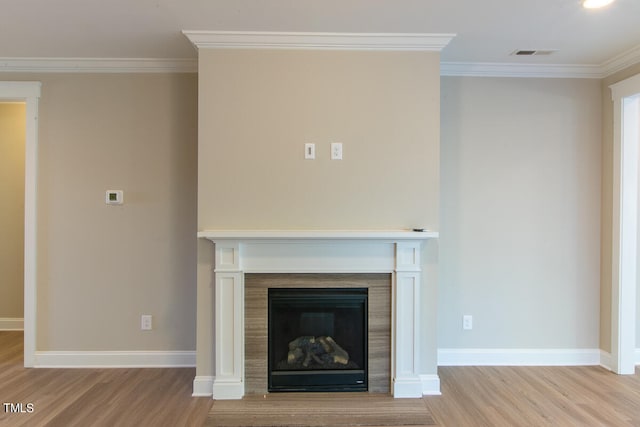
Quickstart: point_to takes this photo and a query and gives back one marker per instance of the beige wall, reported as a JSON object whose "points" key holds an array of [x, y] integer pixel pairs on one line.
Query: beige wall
{"points": [[12, 146], [607, 202], [257, 109], [100, 267], [521, 162], [520, 228]]}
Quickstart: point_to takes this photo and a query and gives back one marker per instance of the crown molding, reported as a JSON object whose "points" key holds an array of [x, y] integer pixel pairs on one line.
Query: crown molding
{"points": [[98, 65], [322, 41], [338, 41], [622, 61], [584, 71], [495, 69]]}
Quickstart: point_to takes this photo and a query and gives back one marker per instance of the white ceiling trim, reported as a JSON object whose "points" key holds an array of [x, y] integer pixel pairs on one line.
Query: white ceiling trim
{"points": [[98, 65], [585, 71], [368, 41], [323, 41], [488, 69], [622, 61]]}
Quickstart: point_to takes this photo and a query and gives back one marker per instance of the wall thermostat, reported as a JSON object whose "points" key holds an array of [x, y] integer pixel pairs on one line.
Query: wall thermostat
{"points": [[114, 197]]}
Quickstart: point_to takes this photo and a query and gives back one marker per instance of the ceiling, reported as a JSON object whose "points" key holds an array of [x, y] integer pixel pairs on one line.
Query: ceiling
{"points": [[486, 31]]}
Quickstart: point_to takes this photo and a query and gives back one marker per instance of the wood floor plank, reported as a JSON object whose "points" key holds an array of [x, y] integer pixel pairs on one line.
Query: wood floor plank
{"points": [[535, 396], [96, 397]]}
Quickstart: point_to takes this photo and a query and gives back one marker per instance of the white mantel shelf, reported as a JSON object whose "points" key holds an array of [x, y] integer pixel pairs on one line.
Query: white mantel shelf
{"points": [[393, 235]]}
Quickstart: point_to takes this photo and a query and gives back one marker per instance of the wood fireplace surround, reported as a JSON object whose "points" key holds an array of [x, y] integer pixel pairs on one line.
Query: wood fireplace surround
{"points": [[396, 252]]}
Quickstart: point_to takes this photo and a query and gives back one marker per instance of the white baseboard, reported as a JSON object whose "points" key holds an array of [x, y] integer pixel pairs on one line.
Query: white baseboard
{"points": [[11, 324], [637, 356], [518, 357], [430, 385], [115, 359], [203, 386]]}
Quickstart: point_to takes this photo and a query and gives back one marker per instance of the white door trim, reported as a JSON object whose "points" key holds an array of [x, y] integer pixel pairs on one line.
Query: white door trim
{"points": [[28, 92], [626, 111]]}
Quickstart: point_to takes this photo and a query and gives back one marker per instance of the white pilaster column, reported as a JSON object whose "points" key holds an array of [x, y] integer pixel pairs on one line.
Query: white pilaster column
{"points": [[229, 322], [405, 369]]}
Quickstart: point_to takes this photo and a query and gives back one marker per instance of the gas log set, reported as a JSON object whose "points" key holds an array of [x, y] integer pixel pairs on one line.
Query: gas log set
{"points": [[309, 352]]}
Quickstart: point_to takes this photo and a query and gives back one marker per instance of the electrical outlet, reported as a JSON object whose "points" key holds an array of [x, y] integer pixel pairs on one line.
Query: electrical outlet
{"points": [[336, 151], [146, 322], [467, 322]]}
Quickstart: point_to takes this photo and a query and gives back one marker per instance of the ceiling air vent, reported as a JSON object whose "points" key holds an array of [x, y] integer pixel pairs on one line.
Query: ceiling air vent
{"points": [[533, 52]]}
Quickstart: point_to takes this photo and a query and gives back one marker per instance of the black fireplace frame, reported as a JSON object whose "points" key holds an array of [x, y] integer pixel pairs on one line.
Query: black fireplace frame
{"points": [[347, 380]]}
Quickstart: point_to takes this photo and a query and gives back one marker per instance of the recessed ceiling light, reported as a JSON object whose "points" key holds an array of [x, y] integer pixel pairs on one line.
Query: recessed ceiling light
{"points": [[595, 4]]}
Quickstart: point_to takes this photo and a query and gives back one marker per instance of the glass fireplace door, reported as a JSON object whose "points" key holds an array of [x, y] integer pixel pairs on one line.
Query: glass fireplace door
{"points": [[317, 339]]}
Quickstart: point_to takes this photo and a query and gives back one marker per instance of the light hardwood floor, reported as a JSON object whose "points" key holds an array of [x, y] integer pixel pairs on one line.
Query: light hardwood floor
{"points": [[535, 396], [95, 397], [472, 396]]}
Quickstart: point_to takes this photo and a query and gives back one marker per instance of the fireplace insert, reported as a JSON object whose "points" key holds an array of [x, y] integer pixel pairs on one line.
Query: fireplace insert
{"points": [[317, 339]]}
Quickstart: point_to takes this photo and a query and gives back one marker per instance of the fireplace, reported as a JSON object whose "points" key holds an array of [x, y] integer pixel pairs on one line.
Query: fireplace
{"points": [[257, 287], [239, 359], [317, 339]]}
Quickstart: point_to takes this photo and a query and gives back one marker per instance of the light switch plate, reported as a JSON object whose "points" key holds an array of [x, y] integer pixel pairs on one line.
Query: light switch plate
{"points": [[310, 151]]}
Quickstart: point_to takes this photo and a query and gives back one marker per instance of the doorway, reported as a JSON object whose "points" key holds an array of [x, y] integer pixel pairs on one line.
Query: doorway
{"points": [[29, 94], [626, 165], [12, 155]]}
